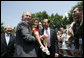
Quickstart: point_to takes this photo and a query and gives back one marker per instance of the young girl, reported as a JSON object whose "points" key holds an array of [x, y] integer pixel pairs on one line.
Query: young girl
{"points": [[35, 31]]}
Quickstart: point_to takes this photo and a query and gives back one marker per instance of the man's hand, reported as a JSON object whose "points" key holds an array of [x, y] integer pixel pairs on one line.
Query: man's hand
{"points": [[56, 54], [77, 52]]}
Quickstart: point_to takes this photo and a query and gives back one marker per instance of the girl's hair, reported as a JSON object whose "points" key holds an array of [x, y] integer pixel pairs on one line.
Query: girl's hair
{"points": [[33, 20]]}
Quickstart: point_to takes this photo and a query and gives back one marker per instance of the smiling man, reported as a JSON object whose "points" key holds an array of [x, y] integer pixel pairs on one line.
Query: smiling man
{"points": [[7, 42], [25, 42]]}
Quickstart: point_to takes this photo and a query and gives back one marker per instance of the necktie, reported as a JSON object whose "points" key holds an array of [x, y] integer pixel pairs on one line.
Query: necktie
{"points": [[48, 40]]}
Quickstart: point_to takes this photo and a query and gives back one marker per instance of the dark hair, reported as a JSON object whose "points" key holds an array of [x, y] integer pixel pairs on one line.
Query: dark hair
{"points": [[48, 21], [79, 8], [15, 27], [34, 19]]}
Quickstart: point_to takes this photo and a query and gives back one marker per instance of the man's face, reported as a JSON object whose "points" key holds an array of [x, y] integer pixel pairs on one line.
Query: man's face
{"points": [[27, 17], [62, 29], [8, 29], [67, 27], [76, 14], [40, 25], [45, 23]]}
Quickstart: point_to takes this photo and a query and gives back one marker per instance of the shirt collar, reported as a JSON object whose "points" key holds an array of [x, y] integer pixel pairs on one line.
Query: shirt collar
{"points": [[7, 34], [47, 28]]}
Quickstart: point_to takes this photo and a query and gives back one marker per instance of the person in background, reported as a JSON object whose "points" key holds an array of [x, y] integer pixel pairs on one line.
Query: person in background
{"points": [[59, 39], [7, 42], [70, 37], [62, 30], [69, 32], [15, 30], [40, 26]]}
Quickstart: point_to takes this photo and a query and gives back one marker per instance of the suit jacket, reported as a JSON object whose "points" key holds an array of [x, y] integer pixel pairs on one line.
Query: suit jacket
{"points": [[53, 41], [7, 50], [25, 43], [78, 32]]}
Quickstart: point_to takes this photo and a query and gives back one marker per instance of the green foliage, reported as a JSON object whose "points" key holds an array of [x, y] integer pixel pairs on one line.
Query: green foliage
{"points": [[2, 28], [40, 15], [13, 31]]}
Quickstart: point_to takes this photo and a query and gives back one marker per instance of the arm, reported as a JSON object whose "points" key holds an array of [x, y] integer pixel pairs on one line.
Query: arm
{"points": [[26, 34], [38, 38]]}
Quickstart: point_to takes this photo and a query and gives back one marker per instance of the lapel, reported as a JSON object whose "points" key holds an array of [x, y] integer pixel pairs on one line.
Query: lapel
{"points": [[42, 31], [50, 35], [4, 39], [29, 28], [10, 39]]}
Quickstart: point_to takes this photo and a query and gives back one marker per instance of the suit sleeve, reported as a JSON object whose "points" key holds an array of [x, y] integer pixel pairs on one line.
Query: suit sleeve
{"points": [[26, 34]]}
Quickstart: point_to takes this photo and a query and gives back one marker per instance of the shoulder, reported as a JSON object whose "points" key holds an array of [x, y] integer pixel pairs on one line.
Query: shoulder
{"points": [[36, 30], [41, 30], [52, 30], [22, 23], [13, 37], [2, 34]]}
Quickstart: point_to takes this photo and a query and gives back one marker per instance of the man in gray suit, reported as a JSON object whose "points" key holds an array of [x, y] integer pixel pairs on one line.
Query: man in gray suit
{"points": [[26, 44]]}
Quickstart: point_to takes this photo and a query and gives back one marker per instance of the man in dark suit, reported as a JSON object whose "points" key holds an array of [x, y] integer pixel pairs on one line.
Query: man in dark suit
{"points": [[52, 39], [26, 44], [78, 27], [7, 43]]}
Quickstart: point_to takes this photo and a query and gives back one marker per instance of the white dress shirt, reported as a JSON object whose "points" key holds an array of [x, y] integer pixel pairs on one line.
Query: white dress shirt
{"points": [[7, 37], [45, 33]]}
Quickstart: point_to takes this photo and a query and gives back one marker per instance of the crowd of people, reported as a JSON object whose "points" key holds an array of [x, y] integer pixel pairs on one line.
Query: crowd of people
{"points": [[72, 36], [35, 39]]}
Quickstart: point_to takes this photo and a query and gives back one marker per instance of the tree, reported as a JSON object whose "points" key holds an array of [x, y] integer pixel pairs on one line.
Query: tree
{"points": [[56, 20], [2, 28], [44, 15], [13, 31], [51, 18], [33, 15]]}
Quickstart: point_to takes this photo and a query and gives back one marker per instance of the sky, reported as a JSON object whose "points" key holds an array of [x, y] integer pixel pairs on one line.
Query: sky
{"points": [[11, 11]]}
